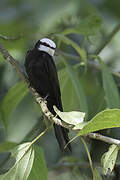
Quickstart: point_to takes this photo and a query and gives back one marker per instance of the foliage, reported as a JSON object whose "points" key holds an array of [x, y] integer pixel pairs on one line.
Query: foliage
{"points": [[12, 99], [89, 80], [109, 159]]}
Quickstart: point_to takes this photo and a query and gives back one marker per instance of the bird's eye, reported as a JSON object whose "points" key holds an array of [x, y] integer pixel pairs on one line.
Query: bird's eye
{"points": [[37, 44], [47, 45]]}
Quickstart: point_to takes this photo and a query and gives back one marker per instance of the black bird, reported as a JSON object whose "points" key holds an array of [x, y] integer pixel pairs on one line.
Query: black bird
{"points": [[42, 74]]}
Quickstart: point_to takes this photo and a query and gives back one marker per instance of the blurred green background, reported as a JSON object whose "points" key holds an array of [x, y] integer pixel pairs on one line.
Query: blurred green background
{"points": [[33, 20]]}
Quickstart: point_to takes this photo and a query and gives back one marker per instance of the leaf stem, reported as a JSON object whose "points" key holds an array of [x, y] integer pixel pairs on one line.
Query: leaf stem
{"points": [[10, 38], [41, 134], [88, 154]]}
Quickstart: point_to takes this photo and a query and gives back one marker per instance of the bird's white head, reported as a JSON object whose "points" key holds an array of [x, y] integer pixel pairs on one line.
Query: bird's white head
{"points": [[47, 45]]}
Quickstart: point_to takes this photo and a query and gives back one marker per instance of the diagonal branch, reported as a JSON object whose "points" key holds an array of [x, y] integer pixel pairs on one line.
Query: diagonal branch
{"points": [[106, 139], [108, 39]]}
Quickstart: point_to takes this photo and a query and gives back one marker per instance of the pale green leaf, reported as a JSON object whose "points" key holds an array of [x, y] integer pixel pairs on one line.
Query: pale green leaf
{"points": [[109, 118], [12, 99], [24, 155], [73, 117], [109, 159], [39, 169], [112, 96], [79, 126]]}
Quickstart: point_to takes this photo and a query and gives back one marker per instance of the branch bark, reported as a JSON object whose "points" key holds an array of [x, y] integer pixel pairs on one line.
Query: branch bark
{"points": [[106, 139]]}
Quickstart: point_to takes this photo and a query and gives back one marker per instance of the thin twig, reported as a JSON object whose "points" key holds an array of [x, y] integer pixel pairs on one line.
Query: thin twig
{"points": [[88, 154], [106, 139], [10, 38], [64, 165], [108, 39]]}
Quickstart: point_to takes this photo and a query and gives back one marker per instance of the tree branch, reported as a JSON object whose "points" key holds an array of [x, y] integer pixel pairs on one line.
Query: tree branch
{"points": [[108, 39], [104, 138]]}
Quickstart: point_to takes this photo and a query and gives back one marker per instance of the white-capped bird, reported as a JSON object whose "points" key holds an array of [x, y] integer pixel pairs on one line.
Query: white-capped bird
{"points": [[42, 74]]}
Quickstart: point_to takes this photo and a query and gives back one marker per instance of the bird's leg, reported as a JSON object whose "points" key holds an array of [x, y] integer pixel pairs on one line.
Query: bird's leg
{"points": [[45, 98]]}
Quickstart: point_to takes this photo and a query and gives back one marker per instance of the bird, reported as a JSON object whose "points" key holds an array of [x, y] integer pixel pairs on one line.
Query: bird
{"points": [[42, 75]]}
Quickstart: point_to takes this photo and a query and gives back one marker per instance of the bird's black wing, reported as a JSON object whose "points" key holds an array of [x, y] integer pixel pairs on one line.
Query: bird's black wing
{"points": [[60, 132], [54, 83]]}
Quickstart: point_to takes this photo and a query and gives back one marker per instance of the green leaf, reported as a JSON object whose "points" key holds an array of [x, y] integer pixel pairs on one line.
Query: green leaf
{"points": [[24, 155], [96, 174], [67, 90], [6, 146], [73, 117], [88, 26], [39, 169], [109, 159], [105, 119], [12, 99], [112, 96], [68, 41], [77, 86]]}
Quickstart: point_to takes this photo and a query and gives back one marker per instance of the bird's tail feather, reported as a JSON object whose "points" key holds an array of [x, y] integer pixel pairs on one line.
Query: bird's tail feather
{"points": [[62, 138]]}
